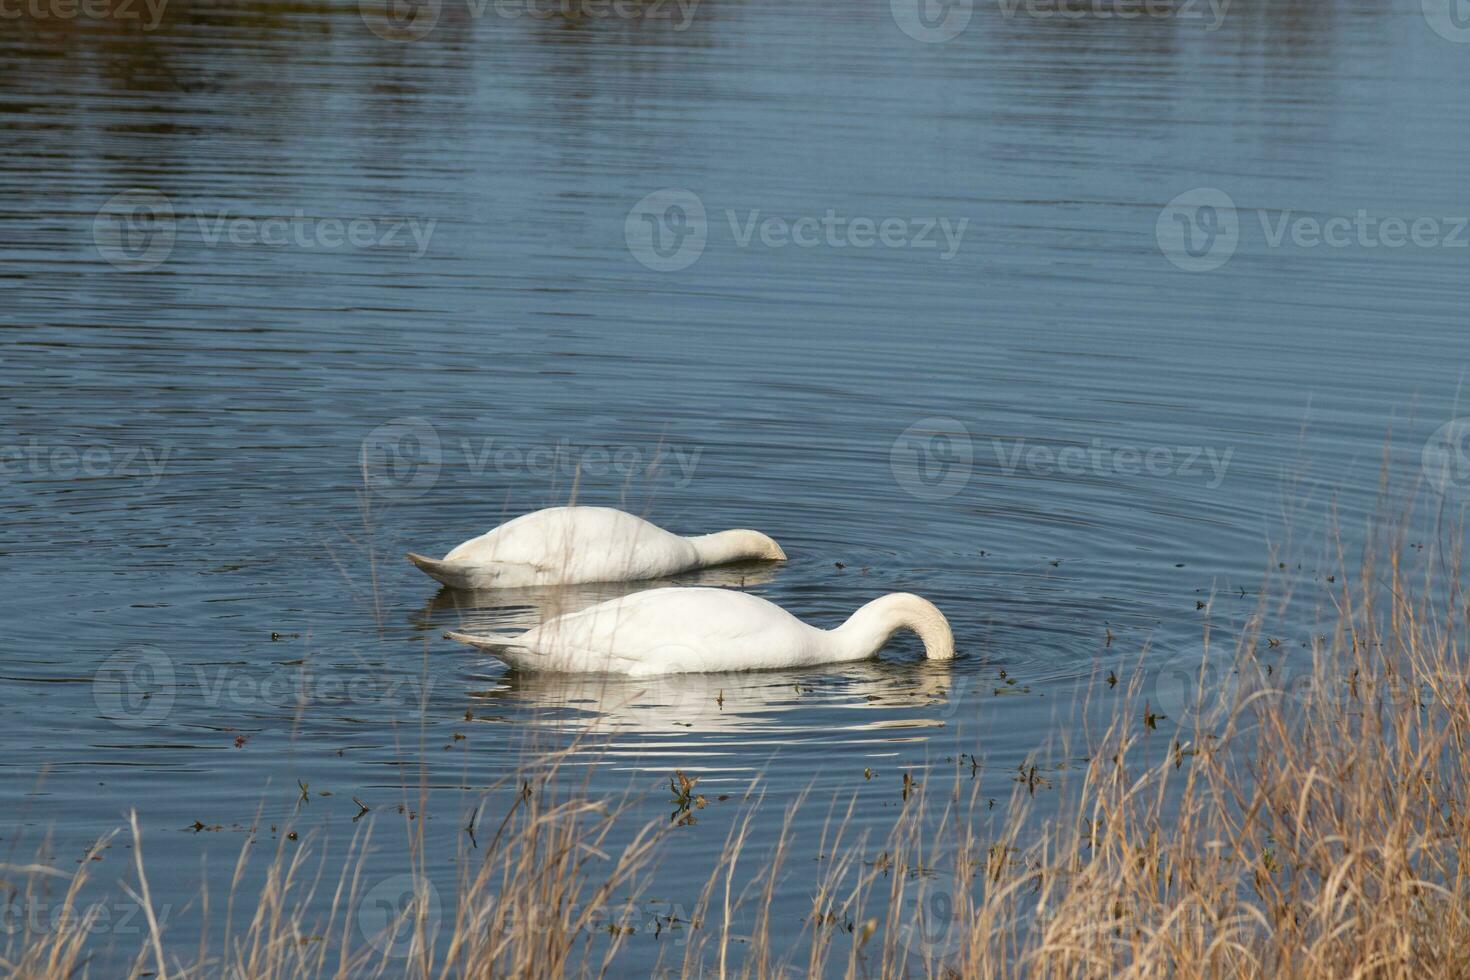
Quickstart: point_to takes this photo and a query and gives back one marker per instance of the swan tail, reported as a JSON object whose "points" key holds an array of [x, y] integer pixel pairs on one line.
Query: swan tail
{"points": [[433, 567], [494, 643], [458, 574], [503, 648], [511, 649]]}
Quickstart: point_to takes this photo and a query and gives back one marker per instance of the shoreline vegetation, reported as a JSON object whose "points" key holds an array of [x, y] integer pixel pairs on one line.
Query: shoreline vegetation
{"points": [[1307, 822]]}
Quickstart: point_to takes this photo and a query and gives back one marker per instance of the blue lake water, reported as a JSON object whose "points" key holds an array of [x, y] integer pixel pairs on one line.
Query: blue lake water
{"points": [[1069, 323]]}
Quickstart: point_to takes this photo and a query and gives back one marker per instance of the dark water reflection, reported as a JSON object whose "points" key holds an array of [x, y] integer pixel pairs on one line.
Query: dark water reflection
{"points": [[507, 349]]}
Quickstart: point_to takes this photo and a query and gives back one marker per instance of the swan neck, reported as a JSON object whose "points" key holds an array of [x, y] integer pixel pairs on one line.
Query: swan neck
{"points": [[868, 629], [737, 545]]}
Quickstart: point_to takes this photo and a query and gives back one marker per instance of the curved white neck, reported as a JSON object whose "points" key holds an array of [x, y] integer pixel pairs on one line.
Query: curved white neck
{"points": [[738, 545], [870, 627]]}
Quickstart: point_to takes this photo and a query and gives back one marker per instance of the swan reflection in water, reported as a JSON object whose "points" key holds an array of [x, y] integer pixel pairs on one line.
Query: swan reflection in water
{"points": [[871, 701]]}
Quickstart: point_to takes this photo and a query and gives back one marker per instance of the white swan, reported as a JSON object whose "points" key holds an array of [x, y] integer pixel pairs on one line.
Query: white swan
{"points": [[686, 630], [575, 545]]}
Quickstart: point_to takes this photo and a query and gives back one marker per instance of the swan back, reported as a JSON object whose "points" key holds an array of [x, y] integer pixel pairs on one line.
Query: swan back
{"points": [[573, 545], [675, 630]]}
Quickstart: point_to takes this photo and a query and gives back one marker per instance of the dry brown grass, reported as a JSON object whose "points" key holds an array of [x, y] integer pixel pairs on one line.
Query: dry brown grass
{"points": [[1313, 830]]}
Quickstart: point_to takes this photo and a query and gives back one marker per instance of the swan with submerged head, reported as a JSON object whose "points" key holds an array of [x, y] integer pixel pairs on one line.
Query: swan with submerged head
{"points": [[578, 545], [695, 630]]}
